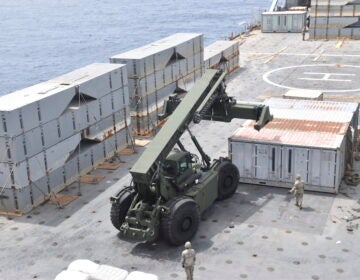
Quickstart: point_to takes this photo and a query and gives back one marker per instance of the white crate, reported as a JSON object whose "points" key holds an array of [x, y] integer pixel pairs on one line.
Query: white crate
{"points": [[33, 142], [110, 146], [120, 99], [168, 78], [39, 191], [56, 179], [23, 198], [184, 68], [24, 109], [190, 65], [106, 105], [98, 153], [57, 155], [66, 125], [101, 130], [51, 131], [80, 115], [19, 171], [8, 201], [120, 118], [95, 80], [30, 116], [52, 106], [137, 64], [71, 170], [85, 160], [122, 138], [37, 167], [12, 149], [93, 108], [162, 58], [10, 122]]}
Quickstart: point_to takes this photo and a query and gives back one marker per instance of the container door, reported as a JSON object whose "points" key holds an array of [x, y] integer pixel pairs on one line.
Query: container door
{"points": [[287, 169], [243, 158], [295, 24], [274, 162], [261, 161], [328, 168], [301, 166], [276, 22], [314, 167]]}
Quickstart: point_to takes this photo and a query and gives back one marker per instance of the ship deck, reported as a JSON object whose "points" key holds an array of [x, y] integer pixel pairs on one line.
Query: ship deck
{"points": [[256, 234]]}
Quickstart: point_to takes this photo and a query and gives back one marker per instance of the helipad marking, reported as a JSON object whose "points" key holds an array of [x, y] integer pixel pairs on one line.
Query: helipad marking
{"points": [[267, 74], [326, 77]]}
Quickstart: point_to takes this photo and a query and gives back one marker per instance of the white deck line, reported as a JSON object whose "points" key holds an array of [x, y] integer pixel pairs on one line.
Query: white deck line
{"points": [[300, 54]]}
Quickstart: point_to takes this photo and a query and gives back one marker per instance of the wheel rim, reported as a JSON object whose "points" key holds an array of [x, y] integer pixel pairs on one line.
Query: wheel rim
{"points": [[186, 224], [228, 182]]}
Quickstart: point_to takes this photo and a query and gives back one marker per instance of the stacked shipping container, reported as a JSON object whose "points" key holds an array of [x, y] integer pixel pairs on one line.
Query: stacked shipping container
{"points": [[310, 138], [55, 131], [157, 70], [333, 19], [284, 21], [222, 55]]}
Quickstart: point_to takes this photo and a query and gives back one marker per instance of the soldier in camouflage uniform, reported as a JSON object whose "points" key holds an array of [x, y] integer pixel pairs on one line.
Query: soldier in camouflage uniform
{"points": [[298, 190], [188, 260]]}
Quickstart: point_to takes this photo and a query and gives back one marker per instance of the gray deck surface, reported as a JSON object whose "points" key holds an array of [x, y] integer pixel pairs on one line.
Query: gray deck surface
{"points": [[256, 234]]}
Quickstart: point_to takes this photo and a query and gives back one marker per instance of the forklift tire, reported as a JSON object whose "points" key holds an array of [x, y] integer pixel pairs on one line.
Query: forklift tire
{"points": [[182, 221], [119, 209], [228, 180]]}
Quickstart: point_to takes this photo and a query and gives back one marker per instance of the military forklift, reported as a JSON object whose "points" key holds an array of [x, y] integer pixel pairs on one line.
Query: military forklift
{"points": [[171, 188]]}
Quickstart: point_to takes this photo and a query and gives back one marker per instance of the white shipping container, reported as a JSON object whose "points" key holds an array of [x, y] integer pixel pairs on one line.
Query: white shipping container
{"points": [[226, 49], [155, 56], [24, 109], [300, 109], [56, 179], [101, 130], [95, 80], [286, 21], [57, 155], [12, 149], [19, 171], [98, 153], [51, 133], [123, 138], [335, 10], [332, 22], [316, 150]]}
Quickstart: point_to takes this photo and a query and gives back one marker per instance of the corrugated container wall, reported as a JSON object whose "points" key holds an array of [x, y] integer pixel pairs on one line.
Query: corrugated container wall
{"points": [[334, 19], [316, 147], [286, 21], [53, 132], [157, 70]]}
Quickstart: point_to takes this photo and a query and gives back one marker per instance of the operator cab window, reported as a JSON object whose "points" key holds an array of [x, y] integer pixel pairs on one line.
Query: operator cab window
{"points": [[184, 165]]}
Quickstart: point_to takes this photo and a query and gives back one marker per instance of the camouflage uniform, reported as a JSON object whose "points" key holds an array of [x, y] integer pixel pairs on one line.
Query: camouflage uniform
{"points": [[298, 190], [303, 33], [188, 260]]}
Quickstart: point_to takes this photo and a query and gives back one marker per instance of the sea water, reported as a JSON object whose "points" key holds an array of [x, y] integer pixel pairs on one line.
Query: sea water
{"points": [[41, 39]]}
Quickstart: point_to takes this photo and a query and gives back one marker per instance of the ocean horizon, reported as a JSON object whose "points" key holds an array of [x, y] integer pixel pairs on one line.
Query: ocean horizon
{"points": [[42, 39]]}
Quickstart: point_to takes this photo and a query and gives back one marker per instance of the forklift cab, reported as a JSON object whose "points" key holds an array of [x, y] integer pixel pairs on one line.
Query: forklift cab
{"points": [[177, 167]]}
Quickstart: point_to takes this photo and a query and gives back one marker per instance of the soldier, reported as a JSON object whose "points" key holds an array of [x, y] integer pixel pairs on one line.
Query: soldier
{"points": [[298, 190], [303, 33], [188, 260]]}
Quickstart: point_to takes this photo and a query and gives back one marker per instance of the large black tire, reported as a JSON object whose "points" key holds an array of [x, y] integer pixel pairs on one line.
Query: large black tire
{"points": [[228, 180], [181, 224], [119, 209]]}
